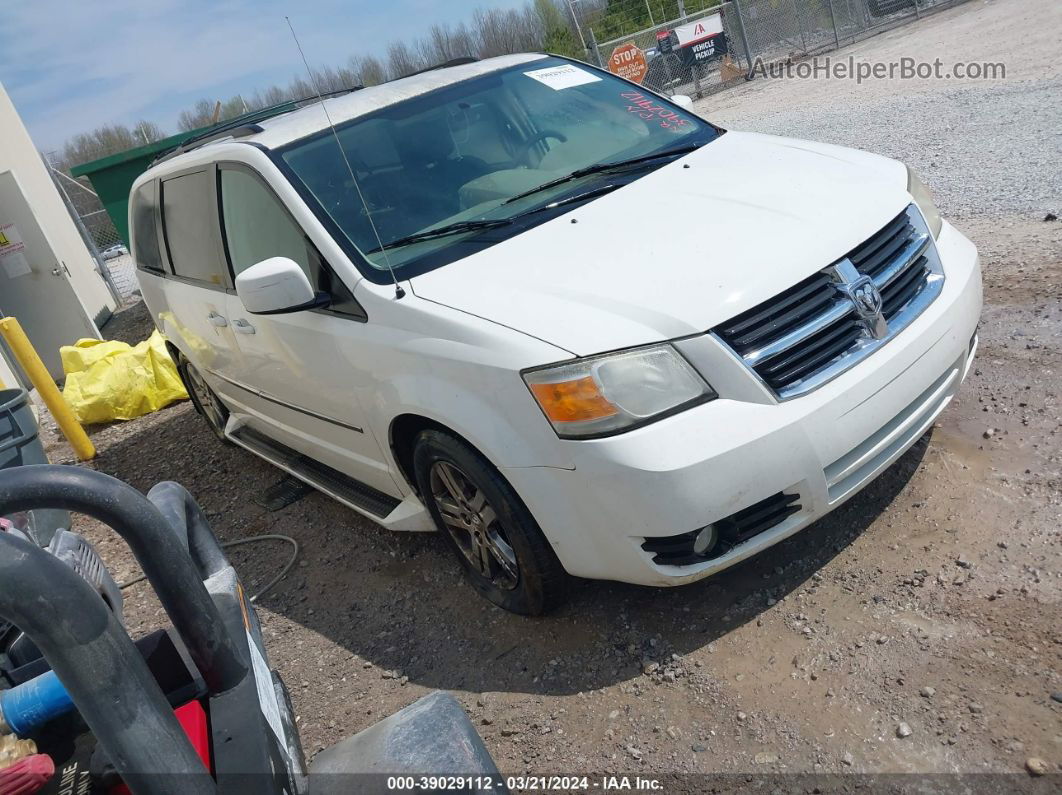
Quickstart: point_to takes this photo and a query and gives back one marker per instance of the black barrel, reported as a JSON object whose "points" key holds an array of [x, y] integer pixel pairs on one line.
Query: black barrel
{"points": [[20, 444]]}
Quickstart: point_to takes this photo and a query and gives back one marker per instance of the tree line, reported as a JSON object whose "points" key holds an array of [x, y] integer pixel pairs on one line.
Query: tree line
{"points": [[539, 25]]}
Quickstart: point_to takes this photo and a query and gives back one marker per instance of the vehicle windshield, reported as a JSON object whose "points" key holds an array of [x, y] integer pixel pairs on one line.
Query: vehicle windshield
{"points": [[475, 154]]}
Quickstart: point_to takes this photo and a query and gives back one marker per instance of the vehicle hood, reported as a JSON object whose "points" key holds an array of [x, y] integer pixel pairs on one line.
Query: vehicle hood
{"points": [[683, 248]]}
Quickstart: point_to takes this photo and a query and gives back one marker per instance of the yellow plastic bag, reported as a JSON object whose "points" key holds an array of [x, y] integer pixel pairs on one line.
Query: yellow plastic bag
{"points": [[112, 380]]}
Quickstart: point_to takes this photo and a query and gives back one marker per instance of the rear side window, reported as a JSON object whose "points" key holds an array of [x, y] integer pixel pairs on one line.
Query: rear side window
{"points": [[257, 226], [145, 237], [189, 220]]}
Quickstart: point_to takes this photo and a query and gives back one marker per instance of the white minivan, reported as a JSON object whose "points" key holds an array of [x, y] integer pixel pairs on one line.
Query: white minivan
{"points": [[558, 318]]}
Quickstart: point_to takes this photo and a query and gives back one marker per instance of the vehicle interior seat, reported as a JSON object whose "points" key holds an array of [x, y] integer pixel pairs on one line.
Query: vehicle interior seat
{"points": [[432, 173]]}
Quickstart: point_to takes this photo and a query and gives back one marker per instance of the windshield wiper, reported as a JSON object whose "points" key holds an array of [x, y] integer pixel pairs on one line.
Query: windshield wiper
{"points": [[593, 193], [443, 231], [474, 226], [604, 167]]}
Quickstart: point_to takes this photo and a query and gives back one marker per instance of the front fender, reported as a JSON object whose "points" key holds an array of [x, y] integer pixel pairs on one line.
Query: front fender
{"points": [[502, 422]]}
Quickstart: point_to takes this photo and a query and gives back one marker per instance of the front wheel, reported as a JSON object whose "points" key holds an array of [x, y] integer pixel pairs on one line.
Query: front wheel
{"points": [[207, 403], [497, 541]]}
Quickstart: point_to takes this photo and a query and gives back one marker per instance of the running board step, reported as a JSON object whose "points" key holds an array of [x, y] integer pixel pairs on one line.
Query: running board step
{"points": [[325, 478]]}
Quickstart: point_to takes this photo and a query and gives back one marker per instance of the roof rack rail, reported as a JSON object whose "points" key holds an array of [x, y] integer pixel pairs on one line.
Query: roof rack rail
{"points": [[461, 61], [247, 123], [226, 131]]}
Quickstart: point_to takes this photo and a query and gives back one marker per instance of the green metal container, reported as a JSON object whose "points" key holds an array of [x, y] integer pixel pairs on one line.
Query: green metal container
{"points": [[112, 177]]}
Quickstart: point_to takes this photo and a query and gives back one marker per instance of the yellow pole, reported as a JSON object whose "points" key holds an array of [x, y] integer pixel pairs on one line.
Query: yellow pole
{"points": [[38, 375]]}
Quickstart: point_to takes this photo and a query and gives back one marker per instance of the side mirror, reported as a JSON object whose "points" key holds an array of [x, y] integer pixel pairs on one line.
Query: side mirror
{"points": [[277, 285], [682, 101]]}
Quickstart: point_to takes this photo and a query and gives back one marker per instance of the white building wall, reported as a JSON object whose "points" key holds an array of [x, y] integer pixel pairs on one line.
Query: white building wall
{"points": [[19, 155], [7, 377]]}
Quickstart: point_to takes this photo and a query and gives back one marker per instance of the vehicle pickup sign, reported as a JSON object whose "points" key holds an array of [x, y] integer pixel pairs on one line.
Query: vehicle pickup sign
{"points": [[702, 40]]}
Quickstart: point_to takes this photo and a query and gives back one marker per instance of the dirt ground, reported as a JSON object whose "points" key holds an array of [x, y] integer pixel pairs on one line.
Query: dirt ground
{"points": [[927, 606]]}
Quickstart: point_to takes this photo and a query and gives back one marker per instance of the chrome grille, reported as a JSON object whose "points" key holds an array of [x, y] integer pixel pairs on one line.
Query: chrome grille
{"points": [[794, 333], [812, 332], [770, 322], [895, 259], [874, 255]]}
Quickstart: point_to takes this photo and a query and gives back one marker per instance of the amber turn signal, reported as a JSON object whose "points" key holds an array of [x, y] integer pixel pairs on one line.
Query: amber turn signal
{"points": [[572, 401]]}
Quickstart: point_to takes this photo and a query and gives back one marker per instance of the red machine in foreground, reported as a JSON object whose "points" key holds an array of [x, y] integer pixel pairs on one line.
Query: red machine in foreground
{"points": [[195, 709]]}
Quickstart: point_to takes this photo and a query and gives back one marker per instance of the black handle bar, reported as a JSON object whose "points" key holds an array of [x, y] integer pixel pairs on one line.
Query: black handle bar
{"points": [[99, 666], [162, 554]]}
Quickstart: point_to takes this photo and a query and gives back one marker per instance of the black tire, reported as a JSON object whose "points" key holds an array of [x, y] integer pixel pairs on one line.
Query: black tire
{"points": [[540, 582], [206, 402]]}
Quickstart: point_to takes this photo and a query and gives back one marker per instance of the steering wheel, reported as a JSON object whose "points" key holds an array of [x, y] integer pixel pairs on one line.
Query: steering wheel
{"points": [[542, 135]]}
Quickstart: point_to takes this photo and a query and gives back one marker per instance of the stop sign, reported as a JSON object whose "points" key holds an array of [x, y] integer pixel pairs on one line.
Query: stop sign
{"points": [[628, 62]]}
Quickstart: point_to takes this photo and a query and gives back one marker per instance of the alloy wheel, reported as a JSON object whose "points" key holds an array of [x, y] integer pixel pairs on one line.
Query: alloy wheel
{"points": [[474, 525], [208, 401]]}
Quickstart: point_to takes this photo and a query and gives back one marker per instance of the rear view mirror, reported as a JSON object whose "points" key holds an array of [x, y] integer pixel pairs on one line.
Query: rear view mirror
{"points": [[277, 285], [682, 101]]}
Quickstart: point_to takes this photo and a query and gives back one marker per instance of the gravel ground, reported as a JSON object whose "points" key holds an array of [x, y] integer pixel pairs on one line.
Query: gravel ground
{"points": [[914, 630], [985, 147], [130, 325]]}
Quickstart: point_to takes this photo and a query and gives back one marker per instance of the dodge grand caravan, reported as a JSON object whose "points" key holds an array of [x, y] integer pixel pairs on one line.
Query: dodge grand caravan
{"points": [[556, 317]]}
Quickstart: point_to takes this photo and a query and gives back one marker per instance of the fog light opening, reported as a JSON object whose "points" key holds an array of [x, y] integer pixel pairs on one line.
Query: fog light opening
{"points": [[705, 540]]}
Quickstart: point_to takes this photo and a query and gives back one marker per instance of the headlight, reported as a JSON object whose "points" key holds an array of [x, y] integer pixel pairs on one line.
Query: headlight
{"points": [[602, 395], [924, 199]]}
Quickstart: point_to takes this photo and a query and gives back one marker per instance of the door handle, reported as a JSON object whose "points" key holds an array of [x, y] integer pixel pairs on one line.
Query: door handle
{"points": [[242, 326], [217, 320]]}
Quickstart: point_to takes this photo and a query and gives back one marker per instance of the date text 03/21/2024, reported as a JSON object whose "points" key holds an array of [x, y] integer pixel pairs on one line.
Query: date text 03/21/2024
{"points": [[517, 784]]}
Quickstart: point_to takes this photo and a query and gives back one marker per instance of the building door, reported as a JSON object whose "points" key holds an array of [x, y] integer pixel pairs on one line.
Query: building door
{"points": [[34, 284]]}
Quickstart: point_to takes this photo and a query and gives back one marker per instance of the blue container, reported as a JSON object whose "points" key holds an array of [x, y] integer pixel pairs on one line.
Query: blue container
{"points": [[26, 707]]}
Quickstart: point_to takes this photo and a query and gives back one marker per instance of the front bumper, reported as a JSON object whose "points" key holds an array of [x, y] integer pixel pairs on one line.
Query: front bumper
{"points": [[705, 464]]}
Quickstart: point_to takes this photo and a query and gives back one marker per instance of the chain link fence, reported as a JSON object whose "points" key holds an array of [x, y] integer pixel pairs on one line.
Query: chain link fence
{"points": [[106, 246], [753, 32], [674, 67]]}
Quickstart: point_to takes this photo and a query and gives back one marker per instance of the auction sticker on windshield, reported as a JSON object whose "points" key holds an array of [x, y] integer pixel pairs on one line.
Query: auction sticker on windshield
{"points": [[560, 77]]}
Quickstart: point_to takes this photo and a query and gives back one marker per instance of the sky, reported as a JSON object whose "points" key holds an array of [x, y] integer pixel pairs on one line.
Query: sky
{"points": [[71, 66]]}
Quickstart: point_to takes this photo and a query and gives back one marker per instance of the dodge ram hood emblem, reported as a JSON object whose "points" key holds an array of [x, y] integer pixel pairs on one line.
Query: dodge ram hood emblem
{"points": [[867, 299], [864, 294]]}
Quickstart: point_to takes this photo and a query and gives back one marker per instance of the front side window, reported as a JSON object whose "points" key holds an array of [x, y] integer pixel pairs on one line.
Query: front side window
{"points": [[257, 227], [189, 223], [481, 151]]}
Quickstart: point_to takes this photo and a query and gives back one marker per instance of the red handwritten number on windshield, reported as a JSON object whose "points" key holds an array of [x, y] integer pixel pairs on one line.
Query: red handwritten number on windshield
{"points": [[644, 108]]}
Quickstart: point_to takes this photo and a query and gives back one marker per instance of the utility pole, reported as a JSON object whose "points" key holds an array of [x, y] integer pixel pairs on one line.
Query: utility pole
{"points": [[578, 29], [745, 39]]}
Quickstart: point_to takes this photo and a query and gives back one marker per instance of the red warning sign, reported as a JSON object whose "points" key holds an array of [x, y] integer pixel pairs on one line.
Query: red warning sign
{"points": [[628, 62]]}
